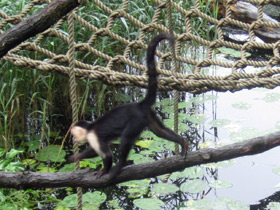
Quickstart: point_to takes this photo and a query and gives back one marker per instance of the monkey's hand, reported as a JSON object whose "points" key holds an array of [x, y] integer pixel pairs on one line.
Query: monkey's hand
{"points": [[72, 159]]}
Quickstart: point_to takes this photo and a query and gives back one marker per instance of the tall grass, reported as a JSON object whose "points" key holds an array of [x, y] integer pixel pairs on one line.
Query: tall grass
{"points": [[30, 97]]}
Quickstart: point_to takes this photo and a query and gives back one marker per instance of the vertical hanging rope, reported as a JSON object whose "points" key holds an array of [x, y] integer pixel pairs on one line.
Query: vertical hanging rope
{"points": [[175, 68], [73, 94]]}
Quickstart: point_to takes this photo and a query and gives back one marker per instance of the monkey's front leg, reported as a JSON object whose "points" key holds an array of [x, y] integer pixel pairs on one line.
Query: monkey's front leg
{"points": [[107, 162], [87, 153], [107, 158]]}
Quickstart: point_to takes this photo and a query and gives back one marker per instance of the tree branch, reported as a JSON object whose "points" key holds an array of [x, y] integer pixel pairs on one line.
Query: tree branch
{"points": [[35, 24], [86, 178]]}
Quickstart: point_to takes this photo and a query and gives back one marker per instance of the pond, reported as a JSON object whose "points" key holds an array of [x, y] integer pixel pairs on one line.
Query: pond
{"points": [[251, 113], [251, 182], [210, 120]]}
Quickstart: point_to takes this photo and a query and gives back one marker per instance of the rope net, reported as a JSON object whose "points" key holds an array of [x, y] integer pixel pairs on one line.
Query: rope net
{"points": [[111, 39]]}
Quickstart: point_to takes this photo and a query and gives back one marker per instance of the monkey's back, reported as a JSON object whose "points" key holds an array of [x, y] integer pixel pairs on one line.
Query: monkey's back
{"points": [[118, 120]]}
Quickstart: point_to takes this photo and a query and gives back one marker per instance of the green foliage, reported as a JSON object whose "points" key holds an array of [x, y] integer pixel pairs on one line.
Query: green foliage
{"points": [[40, 100], [91, 200], [9, 161], [51, 153], [136, 188], [232, 52]]}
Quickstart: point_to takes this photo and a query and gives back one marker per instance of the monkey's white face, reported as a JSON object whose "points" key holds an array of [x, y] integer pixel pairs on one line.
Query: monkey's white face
{"points": [[80, 134]]}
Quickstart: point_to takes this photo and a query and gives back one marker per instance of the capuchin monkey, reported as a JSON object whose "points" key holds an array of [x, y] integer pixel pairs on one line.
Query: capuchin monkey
{"points": [[126, 121]]}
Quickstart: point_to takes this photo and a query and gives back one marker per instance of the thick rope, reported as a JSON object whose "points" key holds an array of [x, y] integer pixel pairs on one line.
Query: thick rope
{"points": [[194, 82], [175, 68], [73, 95]]}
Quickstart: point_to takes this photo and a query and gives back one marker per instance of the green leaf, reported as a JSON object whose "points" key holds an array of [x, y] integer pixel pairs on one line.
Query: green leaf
{"points": [[148, 203], [114, 204], [68, 167], [92, 163], [241, 106], [95, 197], [219, 122], [28, 162], [3, 164], [44, 169], [69, 201], [13, 152], [51, 153], [14, 167], [165, 188], [2, 152], [272, 97], [276, 170], [232, 52], [245, 133], [222, 164], [183, 127], [193, 186], [197, 118], [183, 105], [33, 145], [234, 205], [273, 206], [144, 143], [138, 159], [136, 192], [202, 99], [192, 172], [203, 204], [168, 109], [137, 188], [219, 184]]}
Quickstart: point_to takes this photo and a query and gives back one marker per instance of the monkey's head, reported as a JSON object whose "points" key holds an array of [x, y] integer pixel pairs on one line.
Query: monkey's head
{"points": [[80, 132]]}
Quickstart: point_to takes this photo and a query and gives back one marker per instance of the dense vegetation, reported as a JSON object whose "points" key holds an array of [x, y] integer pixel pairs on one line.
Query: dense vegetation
{"points": [[35, 115]]}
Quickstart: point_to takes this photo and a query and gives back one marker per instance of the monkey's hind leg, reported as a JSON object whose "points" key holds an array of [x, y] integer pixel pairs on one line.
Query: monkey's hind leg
{"points": [[158, 128]]}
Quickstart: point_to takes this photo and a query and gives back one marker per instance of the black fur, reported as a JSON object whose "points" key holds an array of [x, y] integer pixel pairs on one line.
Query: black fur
{"points": [[129, 120]]}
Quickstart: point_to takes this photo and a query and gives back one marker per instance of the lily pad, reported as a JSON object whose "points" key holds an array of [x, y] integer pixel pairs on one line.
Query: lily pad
{"points": [[272, 97], [219, 184], [241, 106], [95, 197], [148, 203], [274, 206], [165, 188], [219, 122], [193, 186], [276, 170]]}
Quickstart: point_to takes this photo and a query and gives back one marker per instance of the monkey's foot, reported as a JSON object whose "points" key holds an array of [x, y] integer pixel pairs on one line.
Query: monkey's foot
{"points": [[185, 148]]}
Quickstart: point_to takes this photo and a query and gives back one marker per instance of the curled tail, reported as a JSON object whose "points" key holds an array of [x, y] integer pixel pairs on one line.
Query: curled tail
{"points": [[150, 98]]}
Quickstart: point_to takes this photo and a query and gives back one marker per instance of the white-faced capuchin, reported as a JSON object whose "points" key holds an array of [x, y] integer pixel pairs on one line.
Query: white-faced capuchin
{"points": [[126, 121]]}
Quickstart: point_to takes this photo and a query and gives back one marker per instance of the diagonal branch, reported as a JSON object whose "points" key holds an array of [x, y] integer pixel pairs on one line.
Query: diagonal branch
{"points": [[35, 24], [86, 178]]}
